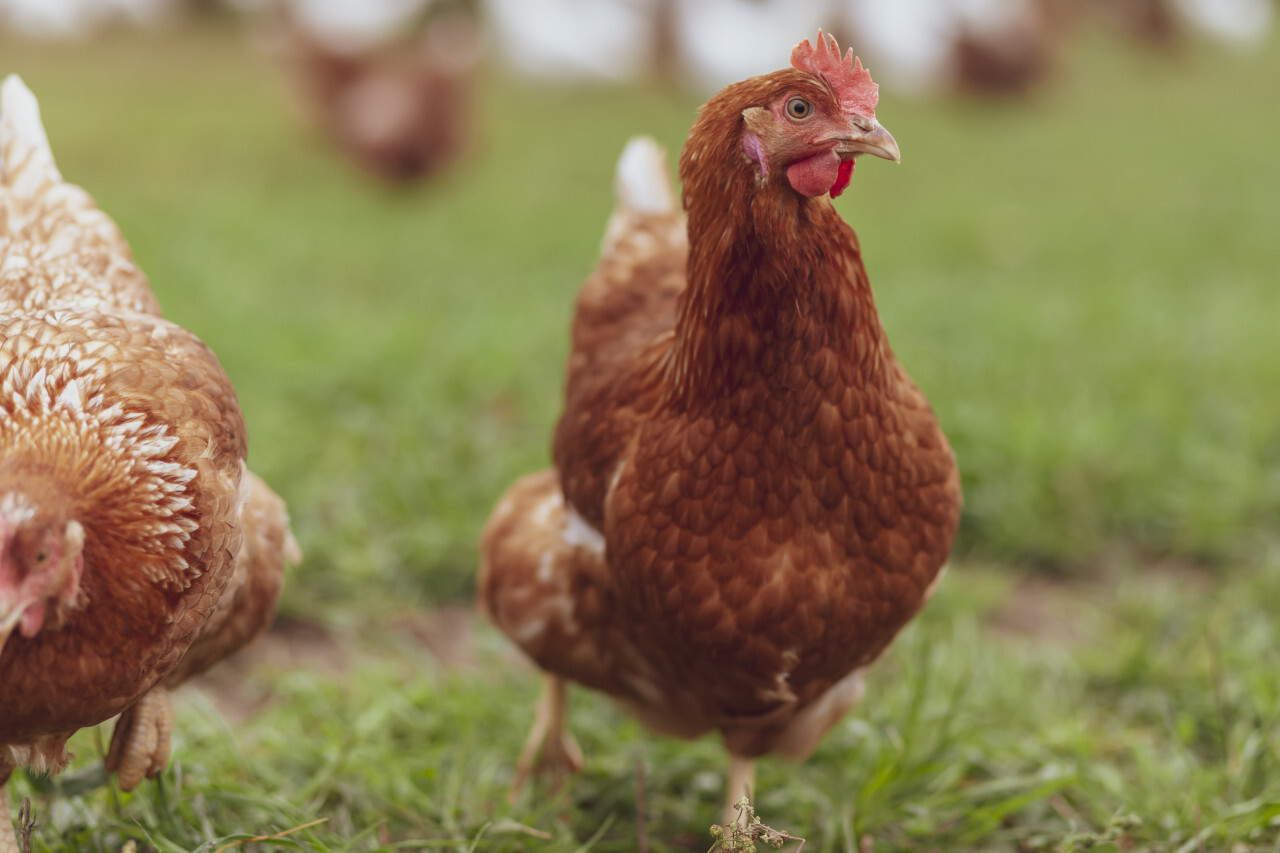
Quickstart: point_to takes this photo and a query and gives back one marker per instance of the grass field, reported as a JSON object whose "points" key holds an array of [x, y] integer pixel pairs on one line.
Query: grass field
{"points": [[1084, 284]]}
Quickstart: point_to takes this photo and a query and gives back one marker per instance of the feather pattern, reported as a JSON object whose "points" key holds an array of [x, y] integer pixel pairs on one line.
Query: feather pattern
{"points": [[124, 427]]}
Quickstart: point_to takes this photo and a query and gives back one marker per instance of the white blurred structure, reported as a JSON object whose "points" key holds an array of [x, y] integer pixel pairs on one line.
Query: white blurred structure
{"points": [[723, 41], [909, 44], [919, 45], [1242, 22], [908, 39], [715, 42], [575, 39], [346, 24], [76, 18]]}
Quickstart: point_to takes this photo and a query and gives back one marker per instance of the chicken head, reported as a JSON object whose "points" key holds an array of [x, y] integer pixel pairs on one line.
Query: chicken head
{"points": [[815, 123], [41, 562]]}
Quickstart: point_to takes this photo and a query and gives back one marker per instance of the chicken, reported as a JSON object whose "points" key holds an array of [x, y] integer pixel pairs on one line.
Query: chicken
{"points": [[135, 547], [1010, 52], [750, 496], [399, 110], [978, 47]]}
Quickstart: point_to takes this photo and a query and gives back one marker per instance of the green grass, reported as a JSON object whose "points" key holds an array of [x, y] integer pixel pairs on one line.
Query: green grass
{"points": [[1150, 706], [1084, 284]]}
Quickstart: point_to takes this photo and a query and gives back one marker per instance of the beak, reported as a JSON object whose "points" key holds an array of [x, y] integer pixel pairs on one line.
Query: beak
{"points": [[876, 141], [10, 614]]}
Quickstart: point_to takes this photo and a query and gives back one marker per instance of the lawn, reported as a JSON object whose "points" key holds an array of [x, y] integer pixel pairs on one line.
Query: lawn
{"points": [[1084, 284]]}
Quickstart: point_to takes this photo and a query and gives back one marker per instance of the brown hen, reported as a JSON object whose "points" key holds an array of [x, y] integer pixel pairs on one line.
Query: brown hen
{"points": [[750, 496], [400, 110], [135, 547]]}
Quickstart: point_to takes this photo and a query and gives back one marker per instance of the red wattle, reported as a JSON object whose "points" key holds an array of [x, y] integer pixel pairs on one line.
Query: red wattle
{"points": [[813, 176], [842, 178]]}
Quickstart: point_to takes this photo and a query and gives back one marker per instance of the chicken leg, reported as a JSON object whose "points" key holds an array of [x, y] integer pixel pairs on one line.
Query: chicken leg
{"points": [[549, 748], [141, 740], [742, 783]]}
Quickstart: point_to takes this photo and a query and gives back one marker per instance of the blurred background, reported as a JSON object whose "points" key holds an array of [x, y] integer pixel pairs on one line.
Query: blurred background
{"points": [[378, 214]]}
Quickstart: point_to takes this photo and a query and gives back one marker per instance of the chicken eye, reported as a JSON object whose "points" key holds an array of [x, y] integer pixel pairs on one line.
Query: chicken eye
{"points": [[41, 557], [799, 108]]}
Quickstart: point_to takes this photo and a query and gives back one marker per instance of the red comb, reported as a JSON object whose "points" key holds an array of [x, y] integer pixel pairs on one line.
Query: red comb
{"points": [[846, 75]]}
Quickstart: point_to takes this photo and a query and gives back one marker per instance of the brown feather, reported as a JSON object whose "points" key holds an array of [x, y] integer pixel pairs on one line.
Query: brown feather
{"points": [[248, 605]]}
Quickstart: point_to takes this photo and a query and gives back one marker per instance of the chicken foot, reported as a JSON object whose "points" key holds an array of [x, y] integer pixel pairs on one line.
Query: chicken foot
{"points": [[549, 748], [742, 783], [141, 740]]}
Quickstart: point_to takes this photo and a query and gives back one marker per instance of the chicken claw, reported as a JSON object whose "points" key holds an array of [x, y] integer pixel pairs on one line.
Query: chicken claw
{"points": [[140, 743], [549, 749]]}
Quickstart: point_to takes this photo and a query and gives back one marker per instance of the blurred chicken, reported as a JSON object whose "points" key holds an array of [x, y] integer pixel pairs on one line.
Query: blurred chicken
{"points": [[135, 548], [1009, 50], [1162, 23], [982, 47], [750, 496], [1151, 22], [400, 109]]}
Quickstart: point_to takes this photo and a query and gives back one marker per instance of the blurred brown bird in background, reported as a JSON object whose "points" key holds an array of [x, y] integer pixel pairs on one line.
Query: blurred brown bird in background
{"points": [[1013, 57], [400, 108]]}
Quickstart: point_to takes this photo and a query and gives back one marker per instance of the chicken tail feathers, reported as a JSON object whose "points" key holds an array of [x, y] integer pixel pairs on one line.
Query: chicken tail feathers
{"points": [[26, 161], [642, 182], [643, 188]]}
